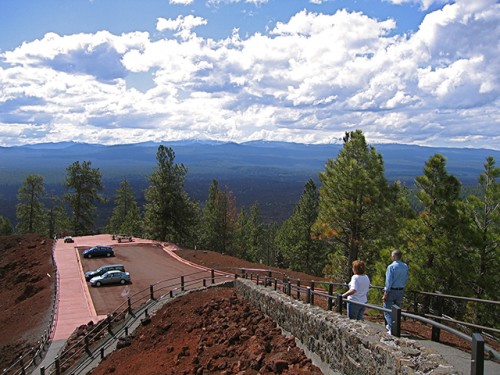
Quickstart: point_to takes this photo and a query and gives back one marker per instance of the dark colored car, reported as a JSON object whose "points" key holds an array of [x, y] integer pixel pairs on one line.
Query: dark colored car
{"points": [[111, 277], [98, 251], [103, 269]]}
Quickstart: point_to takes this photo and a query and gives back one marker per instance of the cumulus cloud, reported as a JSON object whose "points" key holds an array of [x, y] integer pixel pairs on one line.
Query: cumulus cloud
{"points": [[308, 79], [182, 2], [424, 4]]}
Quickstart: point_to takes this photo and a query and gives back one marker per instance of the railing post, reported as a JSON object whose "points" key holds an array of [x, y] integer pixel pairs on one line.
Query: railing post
{"points": [[171, 293], [42, 370], [151, 292], [330, 297], [126, 330], [289, 289], [58, 366], [204, 282], [312, 292], [477, 359], [339, 303], [21, 363], [102, 353], [436, 332], [129, 305], [108, 318], [213, 276], [275, 283], [396, 321], [257, 279], [298, 289], [86, 338], [182, 283], [308, 295]]}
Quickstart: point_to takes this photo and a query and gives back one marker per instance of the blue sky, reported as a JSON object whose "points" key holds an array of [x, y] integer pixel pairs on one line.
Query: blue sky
{"points": [[420, 72]]}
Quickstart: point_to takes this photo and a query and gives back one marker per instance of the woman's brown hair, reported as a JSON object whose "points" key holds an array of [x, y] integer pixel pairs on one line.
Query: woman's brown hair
{"points": [[358, 266]]}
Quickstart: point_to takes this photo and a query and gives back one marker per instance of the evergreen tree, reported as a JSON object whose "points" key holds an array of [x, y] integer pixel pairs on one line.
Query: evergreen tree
{"points": [[437, 240], [169, 214], [240, 248], [126, 217], [57, 217], [486, 226], [300, 251], [255, 236], [5, 227], [219, 219], [30, 210], [85, 185], [355, 202]]}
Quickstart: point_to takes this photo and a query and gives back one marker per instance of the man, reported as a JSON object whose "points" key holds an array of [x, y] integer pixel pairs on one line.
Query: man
{"points": [[396, 277]]}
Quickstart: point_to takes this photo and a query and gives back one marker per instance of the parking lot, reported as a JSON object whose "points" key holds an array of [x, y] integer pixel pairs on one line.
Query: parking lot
{"points": [[147, 263]]}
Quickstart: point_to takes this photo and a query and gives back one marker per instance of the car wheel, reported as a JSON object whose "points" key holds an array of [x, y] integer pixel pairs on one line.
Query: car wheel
{"points": [[122, 281], [89, 256], [98, 283], [108, 254]]}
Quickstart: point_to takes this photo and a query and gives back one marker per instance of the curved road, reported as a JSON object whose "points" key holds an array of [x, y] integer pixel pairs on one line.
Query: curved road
{"points": [[79, 303]]}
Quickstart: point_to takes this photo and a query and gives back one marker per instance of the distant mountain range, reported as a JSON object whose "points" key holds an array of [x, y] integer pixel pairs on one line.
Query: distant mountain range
{"points": [[273, 173]]}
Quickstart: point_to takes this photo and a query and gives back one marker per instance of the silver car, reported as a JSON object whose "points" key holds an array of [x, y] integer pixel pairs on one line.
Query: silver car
{"points": [[111, 277]]}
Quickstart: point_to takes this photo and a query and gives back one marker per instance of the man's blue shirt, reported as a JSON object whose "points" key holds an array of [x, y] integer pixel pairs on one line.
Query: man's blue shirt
{"points": [[396, 275]]}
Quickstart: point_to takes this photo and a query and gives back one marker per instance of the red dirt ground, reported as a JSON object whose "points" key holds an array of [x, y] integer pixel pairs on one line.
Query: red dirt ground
{"points": [[211, 322], [26, 292]]}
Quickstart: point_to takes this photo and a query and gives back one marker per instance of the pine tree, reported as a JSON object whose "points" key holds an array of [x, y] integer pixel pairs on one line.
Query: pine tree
{"points": [[85, 186], [5, 227], [126, 217], [169, 214], [354, 206], [219, 220], [30, 210], [300, 251]]}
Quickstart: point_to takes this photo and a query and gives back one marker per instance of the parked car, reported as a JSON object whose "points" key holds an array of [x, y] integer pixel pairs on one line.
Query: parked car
{"points": [[111, 277], [103, 269], [68, 239], [98, 251]]}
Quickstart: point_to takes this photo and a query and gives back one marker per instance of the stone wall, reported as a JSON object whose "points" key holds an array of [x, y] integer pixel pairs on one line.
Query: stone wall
{"points": [[345, 346]]}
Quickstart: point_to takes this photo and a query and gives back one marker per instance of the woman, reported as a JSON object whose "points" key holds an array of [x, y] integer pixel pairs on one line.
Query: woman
{"points": [[358, 289]]}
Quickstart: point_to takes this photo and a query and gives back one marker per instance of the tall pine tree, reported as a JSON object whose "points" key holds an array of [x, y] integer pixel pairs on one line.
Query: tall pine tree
{"points": [[30, 210]]}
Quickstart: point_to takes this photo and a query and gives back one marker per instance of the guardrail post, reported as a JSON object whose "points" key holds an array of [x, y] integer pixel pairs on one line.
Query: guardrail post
{"points": [[298, 289], [308, 295], [212, 273], [330, 297], [477, 359], [312, 292], [257, 279], [396, 321], [58, 366], [21, 363], [102, 353], [42, 370], [269, 274], [182, 283], [151, 292], [289, 289], [129, 305], [86, 338], [126, 330], [108, 318], [275, 283], [171, 293], [436, 332], [339, 303], [204, 283]]}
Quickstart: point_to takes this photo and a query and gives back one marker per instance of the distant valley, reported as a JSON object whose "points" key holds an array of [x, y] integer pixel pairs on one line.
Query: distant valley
{"points": [[272, 173]]}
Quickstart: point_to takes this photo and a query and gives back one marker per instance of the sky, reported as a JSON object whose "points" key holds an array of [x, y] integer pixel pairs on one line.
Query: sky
{"points": [[422, 72]]}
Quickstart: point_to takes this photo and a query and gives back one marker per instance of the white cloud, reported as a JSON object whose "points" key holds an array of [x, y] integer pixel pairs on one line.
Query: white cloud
{"points": [[181, 2], [307, 80], [424, 4]]}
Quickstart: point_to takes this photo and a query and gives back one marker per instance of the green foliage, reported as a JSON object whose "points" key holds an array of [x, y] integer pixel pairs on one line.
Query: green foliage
{"points": [[126, 217], [355, 201], [57, 218], [30, 211], [219, 220], [169, 214], [5, 227], [299, 250], [84, 184]]}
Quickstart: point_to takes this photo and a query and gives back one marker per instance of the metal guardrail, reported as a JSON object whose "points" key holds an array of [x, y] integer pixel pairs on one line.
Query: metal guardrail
{"points": [[106, 332], [478, 345], [29, 358]]}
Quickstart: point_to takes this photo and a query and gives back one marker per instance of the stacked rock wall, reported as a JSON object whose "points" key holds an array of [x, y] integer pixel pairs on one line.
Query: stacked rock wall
{"points": [[345, 346]]}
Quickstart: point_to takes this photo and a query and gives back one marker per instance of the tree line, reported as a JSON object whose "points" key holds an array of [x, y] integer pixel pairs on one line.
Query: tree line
{"points": [[450, 241]]}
